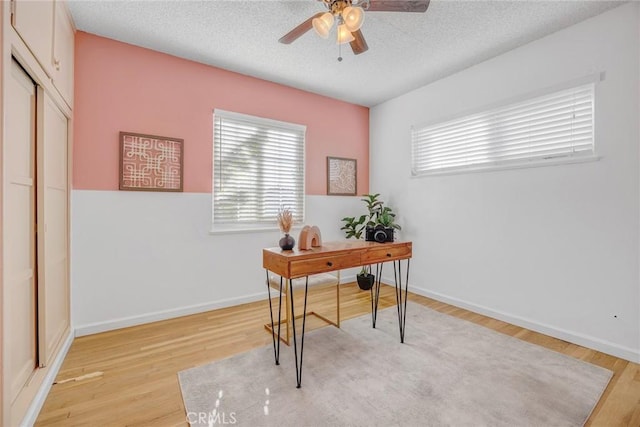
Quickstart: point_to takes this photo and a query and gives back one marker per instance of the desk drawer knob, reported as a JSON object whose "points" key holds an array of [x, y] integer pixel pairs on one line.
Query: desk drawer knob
{"points": [[330, 264], [389, 255]]}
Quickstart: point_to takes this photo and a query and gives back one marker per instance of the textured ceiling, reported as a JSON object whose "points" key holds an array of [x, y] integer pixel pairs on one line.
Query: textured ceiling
{"points": [[406, 50]]}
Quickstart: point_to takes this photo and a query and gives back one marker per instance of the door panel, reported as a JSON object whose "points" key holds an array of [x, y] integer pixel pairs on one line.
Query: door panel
{"points": [[63, 45], [33, 20], [19, 229], [53, 289]]}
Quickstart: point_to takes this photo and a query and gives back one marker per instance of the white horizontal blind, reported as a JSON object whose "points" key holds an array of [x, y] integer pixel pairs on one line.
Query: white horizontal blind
{"points": [[258, 167], [547, 127]]}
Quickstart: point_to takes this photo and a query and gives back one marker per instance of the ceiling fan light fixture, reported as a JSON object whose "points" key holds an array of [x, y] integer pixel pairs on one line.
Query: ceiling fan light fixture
{"points": [[344, 35], [353, 17], [323, 24]]}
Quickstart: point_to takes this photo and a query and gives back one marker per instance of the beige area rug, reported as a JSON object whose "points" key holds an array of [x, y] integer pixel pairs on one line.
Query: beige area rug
{"points": [[449, 372]]}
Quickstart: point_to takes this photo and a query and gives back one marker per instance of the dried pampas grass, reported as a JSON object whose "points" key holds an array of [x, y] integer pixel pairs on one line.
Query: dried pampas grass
{"points": [[285, 220]]}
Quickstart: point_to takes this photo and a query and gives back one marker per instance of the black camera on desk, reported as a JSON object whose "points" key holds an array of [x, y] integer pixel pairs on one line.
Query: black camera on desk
{"points": [[379, 233]]}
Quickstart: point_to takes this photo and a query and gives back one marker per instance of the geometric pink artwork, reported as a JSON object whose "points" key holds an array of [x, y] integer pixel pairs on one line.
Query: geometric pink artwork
{"points": [[342, 176], [150, 163]]}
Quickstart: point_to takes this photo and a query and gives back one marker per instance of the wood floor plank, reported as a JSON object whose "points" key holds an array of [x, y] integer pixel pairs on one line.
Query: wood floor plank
{"points": [[139, 385], [621, 403]]}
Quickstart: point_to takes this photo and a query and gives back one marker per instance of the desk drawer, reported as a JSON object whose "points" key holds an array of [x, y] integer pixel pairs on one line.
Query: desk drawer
{"points": [[374, 256], [321, 265]]}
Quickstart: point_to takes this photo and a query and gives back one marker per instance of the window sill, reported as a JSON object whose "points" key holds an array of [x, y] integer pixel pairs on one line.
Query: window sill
{"points": [[215, 231], [524, 165]]}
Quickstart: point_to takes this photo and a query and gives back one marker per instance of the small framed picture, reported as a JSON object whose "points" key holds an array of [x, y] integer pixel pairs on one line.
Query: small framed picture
{"points": [[342, 176], [150, 162]]}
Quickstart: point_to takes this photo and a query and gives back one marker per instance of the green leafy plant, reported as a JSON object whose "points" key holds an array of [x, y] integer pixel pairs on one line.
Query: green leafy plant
{"points": [[373, 206], [387, 218], [353, 227], [377, 213]]}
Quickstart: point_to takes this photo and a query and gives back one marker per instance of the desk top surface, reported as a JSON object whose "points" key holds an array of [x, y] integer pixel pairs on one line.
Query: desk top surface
{"points": [[332, 256], [331, 248]]}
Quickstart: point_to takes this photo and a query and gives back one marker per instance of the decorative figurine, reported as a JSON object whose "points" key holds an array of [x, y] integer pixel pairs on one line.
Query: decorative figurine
{"points": [[309, 237]]}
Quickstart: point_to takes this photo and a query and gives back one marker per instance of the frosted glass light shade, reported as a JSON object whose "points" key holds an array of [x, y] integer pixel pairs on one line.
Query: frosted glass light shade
{"points": [[323, 24], [344, 35], [353, 17]]}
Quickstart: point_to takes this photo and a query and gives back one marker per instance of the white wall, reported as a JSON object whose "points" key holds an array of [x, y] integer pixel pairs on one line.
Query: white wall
{"points": [[145, 256], [552, 248]]}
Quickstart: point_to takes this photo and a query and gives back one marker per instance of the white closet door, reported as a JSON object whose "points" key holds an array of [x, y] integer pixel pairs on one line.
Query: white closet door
{"points": [[63, 46], [53, 289], [20, 276], [33, 20]]}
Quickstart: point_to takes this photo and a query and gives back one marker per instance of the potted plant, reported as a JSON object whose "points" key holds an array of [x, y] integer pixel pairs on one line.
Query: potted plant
{"points": [[365, 278], [378, 224]]}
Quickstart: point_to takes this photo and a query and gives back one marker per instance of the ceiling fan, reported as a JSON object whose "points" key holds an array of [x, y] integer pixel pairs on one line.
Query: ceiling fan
{"points": [[349, 15]]}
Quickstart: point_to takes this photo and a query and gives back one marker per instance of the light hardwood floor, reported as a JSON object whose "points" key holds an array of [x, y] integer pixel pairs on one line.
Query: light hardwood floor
{"points": [[139, 385]]}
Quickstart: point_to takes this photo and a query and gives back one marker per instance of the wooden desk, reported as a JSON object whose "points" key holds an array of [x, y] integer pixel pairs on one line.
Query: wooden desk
{"points": [[334, 256]]}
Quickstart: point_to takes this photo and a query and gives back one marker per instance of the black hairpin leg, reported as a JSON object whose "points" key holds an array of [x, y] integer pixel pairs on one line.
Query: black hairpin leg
{"points": [[276, 347], [375, 294], [293, 322], [400, 300]]}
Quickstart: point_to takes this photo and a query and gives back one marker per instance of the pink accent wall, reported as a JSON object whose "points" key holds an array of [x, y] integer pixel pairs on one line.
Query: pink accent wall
{"points": [[120, 87]]}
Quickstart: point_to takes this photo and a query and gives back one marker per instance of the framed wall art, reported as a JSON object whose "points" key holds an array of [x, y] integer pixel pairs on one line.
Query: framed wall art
{"points": [[150, 162], [341, 176]]}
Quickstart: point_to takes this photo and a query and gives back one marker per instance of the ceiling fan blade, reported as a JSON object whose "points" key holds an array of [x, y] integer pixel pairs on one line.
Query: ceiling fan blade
{"points": [[398, 5], [359, 44], [298, 31]]}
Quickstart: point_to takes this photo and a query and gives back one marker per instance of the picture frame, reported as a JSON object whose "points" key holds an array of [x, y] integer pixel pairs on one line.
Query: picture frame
{"points": [[342, 176], [151, 163]]}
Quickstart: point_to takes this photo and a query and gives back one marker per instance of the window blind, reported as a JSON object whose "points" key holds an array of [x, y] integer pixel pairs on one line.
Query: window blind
{"points": [[258, 167], [547, 127]]}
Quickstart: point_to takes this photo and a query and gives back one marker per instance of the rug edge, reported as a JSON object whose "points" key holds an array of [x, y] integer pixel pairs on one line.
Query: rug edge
{"points": [[611, 373]]}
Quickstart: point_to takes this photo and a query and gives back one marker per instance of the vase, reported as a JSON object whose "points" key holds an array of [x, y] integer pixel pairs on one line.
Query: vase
{"points": [[287, 242]]}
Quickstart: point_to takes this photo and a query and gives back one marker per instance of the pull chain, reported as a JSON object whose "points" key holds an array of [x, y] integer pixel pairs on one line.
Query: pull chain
{"points": [[339, 52]]}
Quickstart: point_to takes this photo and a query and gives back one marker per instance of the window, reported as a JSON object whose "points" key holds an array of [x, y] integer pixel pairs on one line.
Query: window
{"points": [[555, 126], [258, 167]]}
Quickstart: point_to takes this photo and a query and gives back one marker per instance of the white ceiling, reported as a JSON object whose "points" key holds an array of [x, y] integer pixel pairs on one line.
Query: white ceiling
{"points": [[406, 50]]}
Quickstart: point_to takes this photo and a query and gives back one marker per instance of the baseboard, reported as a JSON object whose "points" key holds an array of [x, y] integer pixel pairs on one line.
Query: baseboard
{"points": [[38, 401], [125, 322], [573, 337]]}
